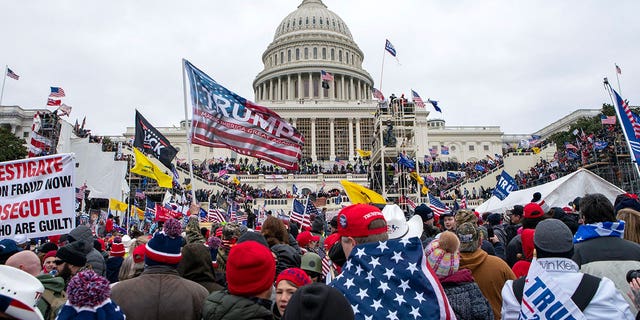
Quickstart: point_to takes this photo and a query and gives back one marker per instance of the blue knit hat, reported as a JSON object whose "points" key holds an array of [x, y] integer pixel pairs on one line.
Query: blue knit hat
{"points": [[164, 247], [88, 298]]}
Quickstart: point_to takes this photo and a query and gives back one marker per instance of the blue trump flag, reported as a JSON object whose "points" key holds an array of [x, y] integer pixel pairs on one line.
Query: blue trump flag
{"points": [[630, 125], [406, 162], [505, 185], [390, 280]]}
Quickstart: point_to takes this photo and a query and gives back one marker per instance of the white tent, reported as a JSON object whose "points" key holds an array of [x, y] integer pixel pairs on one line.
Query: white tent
{"points": [[557, 193]]}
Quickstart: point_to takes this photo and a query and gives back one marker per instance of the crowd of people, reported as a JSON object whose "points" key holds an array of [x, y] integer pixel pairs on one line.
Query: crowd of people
{"points": [[365, 263]]}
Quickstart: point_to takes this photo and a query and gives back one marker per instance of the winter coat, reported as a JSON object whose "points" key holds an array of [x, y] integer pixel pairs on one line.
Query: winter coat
{"points": [[465, 296], [55, 286], [513, 248], [94, 258], [607, 303], [221, 305], [113, 268], [490, 273], [159, 293], [287, 257], [196, 266], [609, 257]]}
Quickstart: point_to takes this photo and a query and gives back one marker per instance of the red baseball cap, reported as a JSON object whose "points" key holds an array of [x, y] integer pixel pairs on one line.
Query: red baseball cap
{"points": [[354, 220], [533, 210], [304, 238]]}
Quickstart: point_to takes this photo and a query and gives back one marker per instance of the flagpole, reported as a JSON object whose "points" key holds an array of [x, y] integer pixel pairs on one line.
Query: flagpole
{"points": [[188, 129], [4, 79], [382, 68], [618, 78], [615, 105]]}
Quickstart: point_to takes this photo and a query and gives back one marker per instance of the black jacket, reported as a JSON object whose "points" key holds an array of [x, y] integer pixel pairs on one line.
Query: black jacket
{"points": [[221, 305]]}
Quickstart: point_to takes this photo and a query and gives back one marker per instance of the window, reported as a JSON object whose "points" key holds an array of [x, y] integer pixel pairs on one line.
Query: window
{"points": [[300, 21], [25, 134], [306, 53], [340, 55], [332, 54], [453, 148], [314, 20], [315, 53], [289, 55], [486, 148], [472, 147], [353, 61], [196, 149], [281, 57], [346, 55], [324, 53], [320, 21], [275, 59], [210, 149], [307, 21], [297, 54]]}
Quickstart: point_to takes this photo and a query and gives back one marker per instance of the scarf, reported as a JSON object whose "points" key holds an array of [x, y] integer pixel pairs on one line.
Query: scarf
{"points": [[600, 229]]}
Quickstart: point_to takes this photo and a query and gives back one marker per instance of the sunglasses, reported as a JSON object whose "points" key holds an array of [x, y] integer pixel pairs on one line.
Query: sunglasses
{"points": [[58, 262]]}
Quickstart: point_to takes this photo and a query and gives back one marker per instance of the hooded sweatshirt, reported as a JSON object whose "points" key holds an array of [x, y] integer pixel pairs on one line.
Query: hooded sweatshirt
{"points": [[196, 265], [490, 273], [94, 258]]}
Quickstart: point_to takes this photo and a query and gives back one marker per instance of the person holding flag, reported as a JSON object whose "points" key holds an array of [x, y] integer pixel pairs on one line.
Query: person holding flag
{"points": [[554, 288]]}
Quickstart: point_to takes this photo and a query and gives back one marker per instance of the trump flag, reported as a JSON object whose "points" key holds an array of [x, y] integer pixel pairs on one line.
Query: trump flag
{"points": [[223, 119]]}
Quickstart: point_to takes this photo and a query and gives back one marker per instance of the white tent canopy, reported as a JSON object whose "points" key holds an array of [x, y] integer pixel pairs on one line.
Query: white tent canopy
{"points": [[557, 193]]}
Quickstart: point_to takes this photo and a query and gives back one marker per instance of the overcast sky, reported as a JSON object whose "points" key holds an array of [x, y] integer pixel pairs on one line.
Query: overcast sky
{"points": [[520, 65]]}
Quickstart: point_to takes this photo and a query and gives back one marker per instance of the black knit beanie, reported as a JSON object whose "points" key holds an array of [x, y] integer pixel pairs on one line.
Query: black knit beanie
{"points": [[317, 301], [73, 254]]}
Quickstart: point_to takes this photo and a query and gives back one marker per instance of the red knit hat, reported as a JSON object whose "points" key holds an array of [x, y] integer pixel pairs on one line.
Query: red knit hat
{"points": [[294, 275], [354, 220], [533, 210], [117, 250], [304, 238], [250, 269]]}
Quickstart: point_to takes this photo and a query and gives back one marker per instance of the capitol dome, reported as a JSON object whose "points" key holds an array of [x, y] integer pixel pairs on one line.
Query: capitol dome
{"points": [[310, 39]]}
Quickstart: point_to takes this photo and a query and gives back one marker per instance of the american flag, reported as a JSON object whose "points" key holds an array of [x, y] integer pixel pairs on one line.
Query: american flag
{"points": [[80, 191], [215, 215], [444, 149], [56, 92], [223, 119], [630, 124], [607, 119], [377, 94], [417, 100], [625, 107], [391, 280], [64, 110], [150, 210], [53, 102], [463, 203], [437, 206], [12, 74], [326, 76], [409, 202], [390, 48], [38, 144], [298, 213]]}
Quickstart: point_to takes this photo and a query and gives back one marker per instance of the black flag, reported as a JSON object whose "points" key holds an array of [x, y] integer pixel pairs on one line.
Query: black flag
{"points": [[150, 140]]}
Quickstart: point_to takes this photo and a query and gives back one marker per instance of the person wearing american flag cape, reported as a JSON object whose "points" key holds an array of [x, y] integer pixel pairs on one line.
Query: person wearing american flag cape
{"points": [[386, 278]]}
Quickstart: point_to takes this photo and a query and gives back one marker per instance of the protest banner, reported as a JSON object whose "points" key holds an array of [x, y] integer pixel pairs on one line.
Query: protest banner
{"points": [[505, 185], [37, 196]]}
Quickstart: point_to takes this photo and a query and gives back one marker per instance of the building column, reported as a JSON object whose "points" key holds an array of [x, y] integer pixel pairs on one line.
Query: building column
{"points": [[314, 156], [332, 139], [332, 89], [271, 90], [300, 96], [289, 87], [359, 95], [343, 96], [279, 95], [358, 141], [310, 85], [351, 154], [352, 90]]}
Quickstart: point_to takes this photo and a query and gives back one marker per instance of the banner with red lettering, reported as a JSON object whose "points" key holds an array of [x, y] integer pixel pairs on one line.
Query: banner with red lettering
{"points": [[37, 196], [164, 214]]}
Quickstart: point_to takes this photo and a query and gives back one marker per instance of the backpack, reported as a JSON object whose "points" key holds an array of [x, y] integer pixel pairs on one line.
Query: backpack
{"points": [[54, 303], [581, 297]]}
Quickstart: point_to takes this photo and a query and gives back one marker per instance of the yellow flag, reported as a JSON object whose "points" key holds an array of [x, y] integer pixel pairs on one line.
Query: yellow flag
{"points": [[137, 210], [236, 181], [417, 177], [424, 190], [363, 153], [145, 167], [535, 150], [360, 194], [117, 205]]}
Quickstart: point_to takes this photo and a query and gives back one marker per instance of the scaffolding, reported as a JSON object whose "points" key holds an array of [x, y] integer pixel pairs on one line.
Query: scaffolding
{"points": [[395, 135]]}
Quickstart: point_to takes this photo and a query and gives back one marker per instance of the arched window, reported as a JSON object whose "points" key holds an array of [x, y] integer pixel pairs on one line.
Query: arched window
{"points": [[307, 21], [281, 57], [320, 21], [340, 55], [346, 55], [306, 53], [353, 61], [289, 55], [297, 53], [324, 53], [333, 57], [300, 21], [315, 53], [314, 20]]}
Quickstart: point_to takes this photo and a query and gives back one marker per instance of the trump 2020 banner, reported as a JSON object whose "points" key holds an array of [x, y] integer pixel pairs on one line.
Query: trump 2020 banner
{"points": [[505, 185], [224, 119], [37, 196]]}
